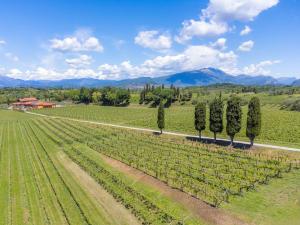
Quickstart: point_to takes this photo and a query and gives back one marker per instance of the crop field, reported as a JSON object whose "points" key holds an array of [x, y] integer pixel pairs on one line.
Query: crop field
{"points": [[37, 189], [39, 186], [279, 127]]}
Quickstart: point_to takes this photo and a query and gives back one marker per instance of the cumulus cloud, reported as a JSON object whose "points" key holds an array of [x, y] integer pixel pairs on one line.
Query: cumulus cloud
{"points": [[15, 73], [245, 31], [80, 73], [214, 19], [108, 71], [80, 42], [2, 42], [220, 44], [246, 46], [193, 57], [81, 61], [200, 28], [259, 68], [41, 73], [153, 39], [242, 10]]}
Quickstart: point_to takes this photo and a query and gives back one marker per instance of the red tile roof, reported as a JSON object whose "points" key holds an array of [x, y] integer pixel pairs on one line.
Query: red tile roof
{"points": [[27, 99]]}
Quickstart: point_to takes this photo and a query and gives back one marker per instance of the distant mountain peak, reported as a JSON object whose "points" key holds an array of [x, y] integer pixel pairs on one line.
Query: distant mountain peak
{"points": [[203, 77]]}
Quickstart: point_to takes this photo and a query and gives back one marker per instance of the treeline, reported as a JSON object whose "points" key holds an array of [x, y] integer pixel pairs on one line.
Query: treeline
{"points": [[153, 96], [216, 114], [108, 96], [103, 96], [238, 89]]}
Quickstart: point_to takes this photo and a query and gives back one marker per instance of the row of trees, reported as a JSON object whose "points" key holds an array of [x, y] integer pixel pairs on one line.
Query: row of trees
{"points": [[168, 95], [154, 95], [233, 117], [104, 96]]}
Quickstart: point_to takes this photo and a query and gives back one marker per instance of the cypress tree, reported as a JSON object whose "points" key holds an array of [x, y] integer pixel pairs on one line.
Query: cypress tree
{"points": [[216, 116], [161, 117], [233, 116], [253, 119], [200, 117]]}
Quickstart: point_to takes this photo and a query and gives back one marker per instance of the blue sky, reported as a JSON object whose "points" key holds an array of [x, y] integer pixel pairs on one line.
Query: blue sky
{"points": [[125, 39]]}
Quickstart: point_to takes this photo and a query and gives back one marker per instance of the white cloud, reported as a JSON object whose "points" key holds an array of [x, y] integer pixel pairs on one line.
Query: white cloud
{"points": [[11, 56], [200, 56], [81, 61], [220, 44], [2, 42], [166, 63], [242, 10], [245, 31], [92, 44], [41, 73], [80, 73], [200, 28], [153, 39], [215, 18], [259, 68], [108, 71], [78, 43], [246, 46], [16, 73], [194, 57]]}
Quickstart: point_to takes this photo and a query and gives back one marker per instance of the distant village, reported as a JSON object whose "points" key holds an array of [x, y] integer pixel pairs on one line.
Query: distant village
{"points": [[31, 103]]}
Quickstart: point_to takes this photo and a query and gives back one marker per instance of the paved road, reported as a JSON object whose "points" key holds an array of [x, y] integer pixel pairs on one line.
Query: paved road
{"points": [[209, 139]]}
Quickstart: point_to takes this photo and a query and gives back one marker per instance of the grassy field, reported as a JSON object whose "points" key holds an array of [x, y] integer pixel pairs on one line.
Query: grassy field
{"points": [[52, 172], [37, 188], [279, 127], [277, 203]]}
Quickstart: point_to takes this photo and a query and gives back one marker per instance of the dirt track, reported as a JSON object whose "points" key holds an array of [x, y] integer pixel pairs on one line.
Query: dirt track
{"points": [[114, 211]]}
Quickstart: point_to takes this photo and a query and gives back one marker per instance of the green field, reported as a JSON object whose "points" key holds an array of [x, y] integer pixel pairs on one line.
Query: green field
{"points": [[50, 169], [279, 127], [36, 186]]}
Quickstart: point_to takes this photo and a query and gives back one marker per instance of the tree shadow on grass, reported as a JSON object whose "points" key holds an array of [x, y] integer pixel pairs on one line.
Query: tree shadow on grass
{"points": [[224, 143]]}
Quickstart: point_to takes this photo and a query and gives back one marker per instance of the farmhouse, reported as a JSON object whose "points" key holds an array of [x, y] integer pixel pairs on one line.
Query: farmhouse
{"points": [[31, 103]]}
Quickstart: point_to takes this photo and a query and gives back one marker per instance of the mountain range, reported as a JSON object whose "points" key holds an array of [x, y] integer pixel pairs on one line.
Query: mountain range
{"points": [[203, 77]]}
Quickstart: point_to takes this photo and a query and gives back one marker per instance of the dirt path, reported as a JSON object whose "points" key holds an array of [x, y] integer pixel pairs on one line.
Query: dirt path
{"points": [[113, 209], [197, 207]]}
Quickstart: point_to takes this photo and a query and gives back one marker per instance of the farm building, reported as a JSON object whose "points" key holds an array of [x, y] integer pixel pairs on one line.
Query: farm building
{"points": [[31, 103]]}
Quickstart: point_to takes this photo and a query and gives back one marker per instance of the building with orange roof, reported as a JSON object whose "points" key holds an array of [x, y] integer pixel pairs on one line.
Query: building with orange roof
{"points": [[31, 103]]}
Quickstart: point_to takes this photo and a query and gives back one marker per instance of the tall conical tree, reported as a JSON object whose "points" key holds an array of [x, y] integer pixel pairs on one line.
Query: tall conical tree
{"points": [[253, 119], [216, 116], [200, 117], [233, 116], [161, 116]]}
